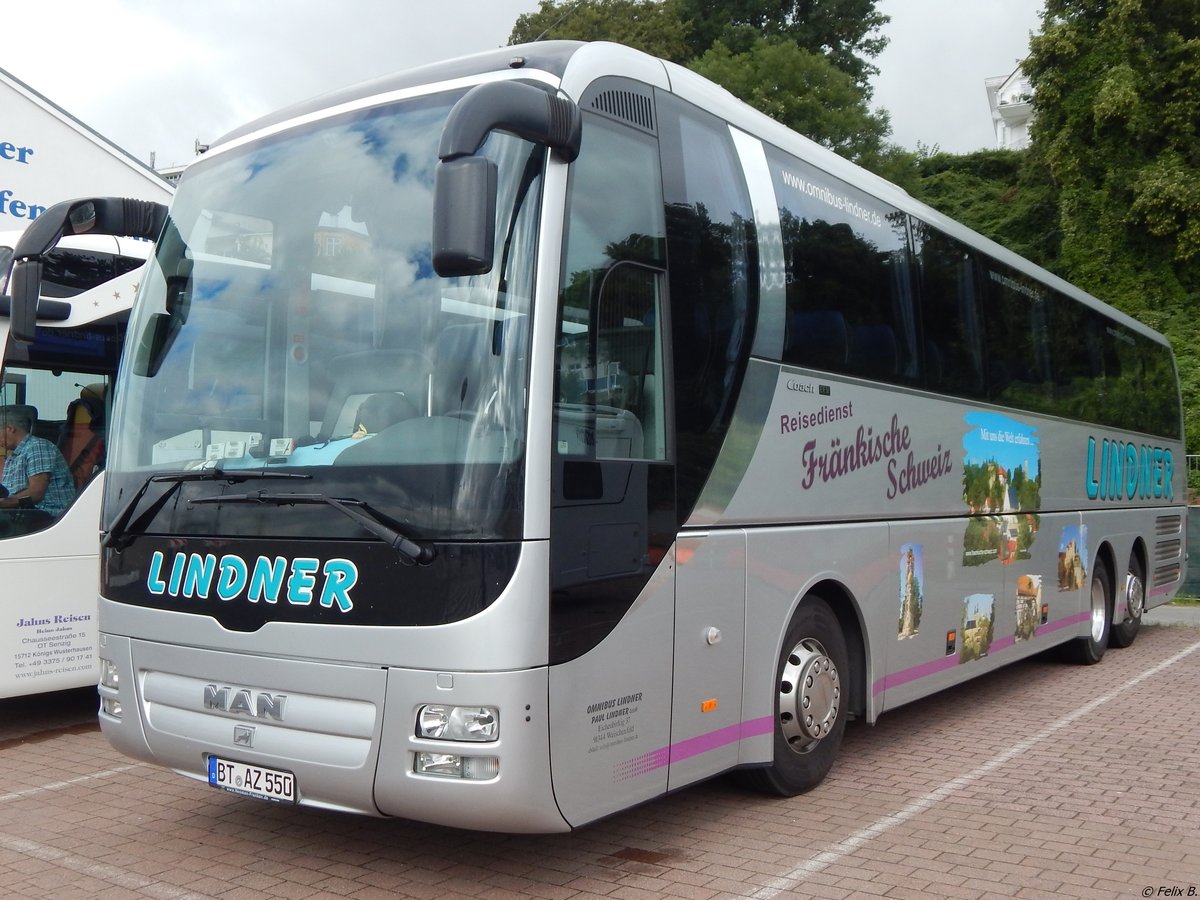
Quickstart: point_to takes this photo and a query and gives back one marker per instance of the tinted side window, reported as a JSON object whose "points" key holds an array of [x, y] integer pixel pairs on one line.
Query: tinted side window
{"points": [[713, 277], [1139, 383], [953, 346], [1016, 340], [849, 298], [610, 395], [69, 271], [1107, 374]]}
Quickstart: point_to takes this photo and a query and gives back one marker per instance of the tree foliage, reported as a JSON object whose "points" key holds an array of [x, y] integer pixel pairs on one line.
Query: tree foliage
{"points": [[801, 89], [846, 32], [648, 25], [1003, 194], [802, 62], [1117, 104]]}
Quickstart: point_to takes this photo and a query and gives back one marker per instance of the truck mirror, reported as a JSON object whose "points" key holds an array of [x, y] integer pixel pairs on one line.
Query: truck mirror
{"points": [[464, 202], [25, 287], [464, 216], [97, 215]]}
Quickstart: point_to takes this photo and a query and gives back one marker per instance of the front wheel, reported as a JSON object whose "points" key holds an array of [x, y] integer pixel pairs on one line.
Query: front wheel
{"points": [[1089, 650], [811, 697]]}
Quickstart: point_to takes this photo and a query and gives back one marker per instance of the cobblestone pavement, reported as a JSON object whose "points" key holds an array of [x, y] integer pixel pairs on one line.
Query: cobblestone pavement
{"points": [[1039, 780]]}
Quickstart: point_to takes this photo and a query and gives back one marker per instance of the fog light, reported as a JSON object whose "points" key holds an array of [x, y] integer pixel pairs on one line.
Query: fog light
{"points": [[109, 676], [458, 723], [452, 765], [446, 764], [111, 707]]}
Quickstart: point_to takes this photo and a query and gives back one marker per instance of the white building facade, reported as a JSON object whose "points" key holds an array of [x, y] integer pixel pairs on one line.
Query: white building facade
{"points": [[1011, 99]]}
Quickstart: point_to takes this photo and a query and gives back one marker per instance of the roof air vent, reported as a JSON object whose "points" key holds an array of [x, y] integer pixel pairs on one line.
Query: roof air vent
{"points": [[629, 107]]}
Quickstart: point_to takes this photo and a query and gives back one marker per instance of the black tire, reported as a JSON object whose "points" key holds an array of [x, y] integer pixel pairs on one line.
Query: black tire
{"points": [[1124, 632], [1089, 650], [813, 667]]}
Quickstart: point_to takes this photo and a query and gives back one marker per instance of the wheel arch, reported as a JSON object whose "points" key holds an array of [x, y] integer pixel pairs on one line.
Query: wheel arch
{"points": [[1105, 557], [1142, 554], [849, 614]]}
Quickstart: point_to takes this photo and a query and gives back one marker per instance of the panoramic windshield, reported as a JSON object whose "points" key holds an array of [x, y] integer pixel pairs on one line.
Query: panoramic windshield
{"points": [[292, 322]]}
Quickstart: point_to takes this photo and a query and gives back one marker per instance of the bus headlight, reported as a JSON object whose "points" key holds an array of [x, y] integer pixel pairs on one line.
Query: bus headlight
{"points": [[458, 723]]}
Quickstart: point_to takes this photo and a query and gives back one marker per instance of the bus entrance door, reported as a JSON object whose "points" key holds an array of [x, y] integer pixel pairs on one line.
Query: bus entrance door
{"points": [[710, 617]]}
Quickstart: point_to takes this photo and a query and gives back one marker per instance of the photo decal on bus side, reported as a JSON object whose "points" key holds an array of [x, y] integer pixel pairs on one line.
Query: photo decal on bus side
{"points": [[1029, 602], [1072, 558], [978, 626], [912, 590], [1002, 483]]}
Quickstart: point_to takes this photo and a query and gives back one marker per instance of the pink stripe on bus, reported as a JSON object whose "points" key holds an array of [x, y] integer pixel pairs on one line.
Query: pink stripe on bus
{"points": [[925, 669], [702, 743]]}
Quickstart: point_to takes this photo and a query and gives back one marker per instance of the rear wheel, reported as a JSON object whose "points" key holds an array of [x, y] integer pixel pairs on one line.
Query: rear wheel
{"points": [[1126, 630], [1089, 650], [811, 696]]}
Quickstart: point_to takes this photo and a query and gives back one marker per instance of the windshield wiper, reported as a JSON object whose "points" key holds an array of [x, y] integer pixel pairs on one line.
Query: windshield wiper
{"points": [[123, 532], [358, 510]]}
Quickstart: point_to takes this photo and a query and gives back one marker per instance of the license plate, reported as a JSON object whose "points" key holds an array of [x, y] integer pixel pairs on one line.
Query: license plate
{"points": [[252, 781]]}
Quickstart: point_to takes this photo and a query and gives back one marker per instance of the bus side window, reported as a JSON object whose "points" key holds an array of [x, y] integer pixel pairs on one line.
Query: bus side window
{"points": [[71, 414], [609, 401], [70, 271], [1015, 335], [713, 269], [949, 303], [849, 282]]}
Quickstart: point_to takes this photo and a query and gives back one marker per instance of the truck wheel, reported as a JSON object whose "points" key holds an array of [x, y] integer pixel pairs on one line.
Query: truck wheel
{"points": [[1089, 650], [811, 696], [1126, 630]]}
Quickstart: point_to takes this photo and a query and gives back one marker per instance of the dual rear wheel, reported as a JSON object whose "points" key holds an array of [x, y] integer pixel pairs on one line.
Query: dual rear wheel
{"points": [[1124, 632], [1104, 632]]}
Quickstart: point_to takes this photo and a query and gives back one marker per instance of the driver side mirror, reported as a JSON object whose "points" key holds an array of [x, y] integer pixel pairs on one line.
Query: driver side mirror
{"points": [[25, 285], [464, 203], [464, 216], [96, 215]]}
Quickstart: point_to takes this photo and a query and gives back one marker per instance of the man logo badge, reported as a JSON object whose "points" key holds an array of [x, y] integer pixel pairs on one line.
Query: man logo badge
{"points": [[243, 735], [243, 702]]}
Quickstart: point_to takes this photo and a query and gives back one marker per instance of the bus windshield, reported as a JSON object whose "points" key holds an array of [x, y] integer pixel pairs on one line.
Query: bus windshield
{"points": [[291, 323]]}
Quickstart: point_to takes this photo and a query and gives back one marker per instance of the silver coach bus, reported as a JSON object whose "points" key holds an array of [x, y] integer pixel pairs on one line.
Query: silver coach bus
{"points": [[520, 438]]}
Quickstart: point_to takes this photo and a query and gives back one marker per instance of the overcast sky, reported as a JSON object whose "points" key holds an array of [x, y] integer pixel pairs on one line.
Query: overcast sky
{"points": [[157, 76]]}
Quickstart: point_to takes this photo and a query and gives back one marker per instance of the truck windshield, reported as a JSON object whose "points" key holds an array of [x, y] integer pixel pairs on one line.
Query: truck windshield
{"points": [[291, 321]]}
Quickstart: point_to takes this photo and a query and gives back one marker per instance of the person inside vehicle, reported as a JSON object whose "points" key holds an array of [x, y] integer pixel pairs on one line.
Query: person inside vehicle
{"points": [[36, 478]]}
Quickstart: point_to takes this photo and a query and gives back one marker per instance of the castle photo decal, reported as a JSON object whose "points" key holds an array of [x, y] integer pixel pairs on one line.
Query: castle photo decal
{"points": [[978, 626], [1002, 483], [912, 590], [1072, 558]]}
